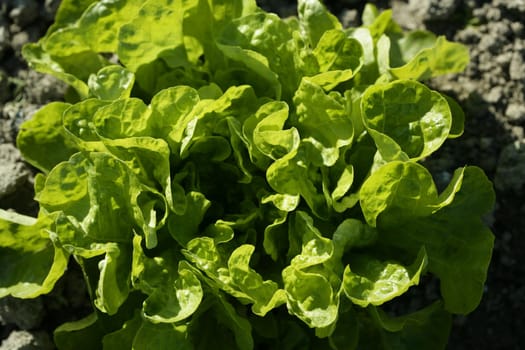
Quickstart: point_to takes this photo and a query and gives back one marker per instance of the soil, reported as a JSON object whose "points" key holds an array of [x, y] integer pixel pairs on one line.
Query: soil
{"points": [[491, 91]]}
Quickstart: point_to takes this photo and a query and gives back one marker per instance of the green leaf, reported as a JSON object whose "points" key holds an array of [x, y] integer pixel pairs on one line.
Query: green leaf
{"points": [[239, 325], [78, 122], [248, 66], [322, 118], [185, 226], [101, 20], [316, 20], [162, 337], [265, 130], [269, 36], [99, 192], [111, 83], [458, 118], [406, 114], [32, 260], [458, 244], [400, 190], [81, 334], [171, 111], [236, 277], [294, 175], [68, 13], [43, 141], [352, 233], [379, 24], [164, 38], [205, 20], [345, 335], [275, 236], [148, 159], [123, 338], [309, 284], [368, 281], [16, 218], [265, 294], [127, 117], [175, 298], [42, 61], [339, 58], [424, 329], [89, 332], [310, 297], [442, 58], [114, 283]]}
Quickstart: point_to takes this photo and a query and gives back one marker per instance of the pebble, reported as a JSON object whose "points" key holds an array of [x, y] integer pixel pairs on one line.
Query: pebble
{"points": [[494, 95], [517, 132], [504, 59], [517, 28], [13, 173], [515, 5], [24, 12], [493, 14], [469, 35], [492, 43], [50, 9], [349, 18], [25, 340], [29, 34], [434, 10], [45, 88], [517, 66], [26, 314], [515, 112], [19, 40]]}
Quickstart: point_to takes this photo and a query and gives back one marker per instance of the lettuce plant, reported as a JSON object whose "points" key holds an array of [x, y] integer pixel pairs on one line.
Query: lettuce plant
{"points": [[229, 179]]}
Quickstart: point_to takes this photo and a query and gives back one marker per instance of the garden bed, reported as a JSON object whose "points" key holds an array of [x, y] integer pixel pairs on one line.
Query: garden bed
{"points": [[491, 91]]}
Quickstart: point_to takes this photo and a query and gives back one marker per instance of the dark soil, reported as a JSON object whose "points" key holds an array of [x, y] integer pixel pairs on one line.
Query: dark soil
{"points": [[491, 91]]}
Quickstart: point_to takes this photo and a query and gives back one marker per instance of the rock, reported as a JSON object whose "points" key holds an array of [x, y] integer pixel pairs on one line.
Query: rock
{"points": [[513, 5], [515, 112], [50, 9], [494, 95], [517, 28], [349, 18], [24, 340], [492, 43], [28, 35], [13, 173], [41, 88], [9, 154], [504, 59], [517, 132], [18, 112], [26, 314], [469, 35], [24, 12], [493, 14], [510, 173], [517, 66], [19, 40], [434, 10], [403, 14], [12, 176]]}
